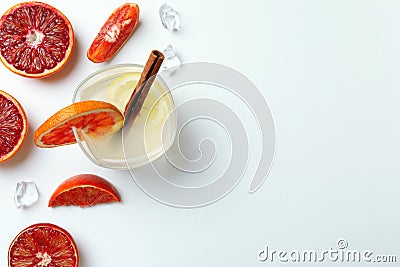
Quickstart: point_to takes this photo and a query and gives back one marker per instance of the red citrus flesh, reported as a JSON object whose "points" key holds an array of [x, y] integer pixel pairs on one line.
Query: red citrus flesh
{"points": [[13, 126], [84, 190], [114, 33], [43, 245], [93, 118], [36, 39]]}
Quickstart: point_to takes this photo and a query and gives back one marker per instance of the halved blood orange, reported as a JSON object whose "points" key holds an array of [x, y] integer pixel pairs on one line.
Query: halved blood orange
{"points": [[114, 33], [41, 245], [13, 126], [36, 39], [84, 190], [92, 117]]}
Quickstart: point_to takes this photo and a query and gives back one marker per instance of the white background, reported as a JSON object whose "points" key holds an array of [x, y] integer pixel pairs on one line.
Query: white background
{"points": [[330, 72]]}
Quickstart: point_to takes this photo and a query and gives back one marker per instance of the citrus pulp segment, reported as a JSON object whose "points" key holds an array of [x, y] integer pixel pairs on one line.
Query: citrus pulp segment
{"points": [[114, 33], [120, 89]]}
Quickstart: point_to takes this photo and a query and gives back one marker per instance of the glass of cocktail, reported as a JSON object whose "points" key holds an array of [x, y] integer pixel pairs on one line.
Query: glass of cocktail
{"points": [[151, 133]]}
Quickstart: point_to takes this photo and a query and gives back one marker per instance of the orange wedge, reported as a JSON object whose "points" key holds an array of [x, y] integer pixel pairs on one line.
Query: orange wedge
{"points": [[114, 33], [94, 118], [84, 190]]}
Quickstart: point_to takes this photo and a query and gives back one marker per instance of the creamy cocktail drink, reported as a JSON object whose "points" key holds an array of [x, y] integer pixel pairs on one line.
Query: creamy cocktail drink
{"points": [[151, 133]]}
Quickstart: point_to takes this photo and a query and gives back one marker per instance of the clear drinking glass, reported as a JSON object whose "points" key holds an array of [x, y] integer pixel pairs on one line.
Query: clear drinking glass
{"points": [[151, 134]]}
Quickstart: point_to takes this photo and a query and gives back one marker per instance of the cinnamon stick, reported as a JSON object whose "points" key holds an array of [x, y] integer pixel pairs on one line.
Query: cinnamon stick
{"points": [[143, 86]]}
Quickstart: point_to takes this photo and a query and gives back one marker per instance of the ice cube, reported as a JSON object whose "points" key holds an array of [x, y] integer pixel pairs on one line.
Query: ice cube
{"points": [[170, 18], [171, 59], [26, 194]]}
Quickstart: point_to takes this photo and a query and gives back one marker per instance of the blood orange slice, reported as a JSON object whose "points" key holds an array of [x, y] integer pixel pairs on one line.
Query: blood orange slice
{"points": [[13, 126], [84, 190], [36, 39], [94, 118], [41, 245], [114, 33]]}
